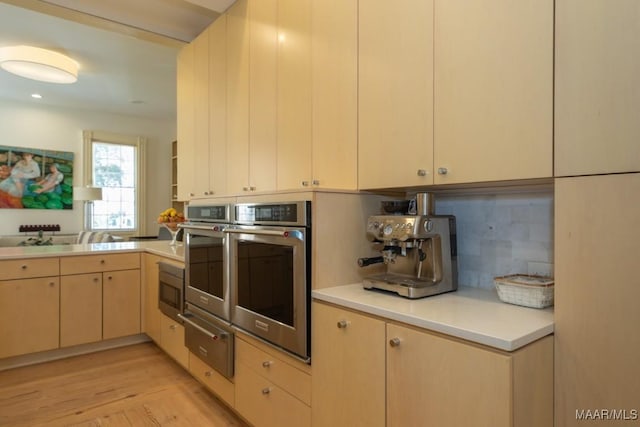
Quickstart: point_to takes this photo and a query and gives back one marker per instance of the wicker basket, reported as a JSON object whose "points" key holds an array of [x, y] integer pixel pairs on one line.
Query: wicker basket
{"points": [[525, 290]]}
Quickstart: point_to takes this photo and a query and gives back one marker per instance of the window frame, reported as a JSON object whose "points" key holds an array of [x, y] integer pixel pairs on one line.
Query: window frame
{"points": [[139, 143]]}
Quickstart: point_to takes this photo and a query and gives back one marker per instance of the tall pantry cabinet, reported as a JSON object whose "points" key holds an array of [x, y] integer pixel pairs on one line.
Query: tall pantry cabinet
{"points": [[597, 157]]}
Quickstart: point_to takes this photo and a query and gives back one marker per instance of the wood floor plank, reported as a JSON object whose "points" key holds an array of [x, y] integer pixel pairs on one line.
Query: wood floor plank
{"points": [[137, 385]]}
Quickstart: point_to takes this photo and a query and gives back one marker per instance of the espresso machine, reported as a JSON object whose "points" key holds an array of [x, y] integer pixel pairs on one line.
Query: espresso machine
{"points": [[417, 248]]}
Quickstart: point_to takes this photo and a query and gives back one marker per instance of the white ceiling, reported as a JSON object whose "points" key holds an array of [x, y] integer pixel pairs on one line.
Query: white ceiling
{"points": [[126, 51]]}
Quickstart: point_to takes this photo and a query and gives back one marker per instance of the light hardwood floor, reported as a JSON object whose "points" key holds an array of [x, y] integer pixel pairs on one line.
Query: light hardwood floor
{"points": [[137, 385]]}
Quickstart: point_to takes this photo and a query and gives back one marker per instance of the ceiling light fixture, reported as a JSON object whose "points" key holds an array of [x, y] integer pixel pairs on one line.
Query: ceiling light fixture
{"points": [[38, 64]]}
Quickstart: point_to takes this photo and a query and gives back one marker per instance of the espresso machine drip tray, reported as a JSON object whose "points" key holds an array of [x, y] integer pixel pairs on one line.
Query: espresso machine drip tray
{"points": [[409, 287]]}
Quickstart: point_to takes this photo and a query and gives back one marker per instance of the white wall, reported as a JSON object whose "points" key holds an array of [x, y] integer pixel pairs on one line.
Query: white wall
{"points": [[37, 126]]}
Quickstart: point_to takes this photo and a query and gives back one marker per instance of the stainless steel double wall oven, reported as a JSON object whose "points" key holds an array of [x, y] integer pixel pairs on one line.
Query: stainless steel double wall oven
{"points": [[248, 266]]}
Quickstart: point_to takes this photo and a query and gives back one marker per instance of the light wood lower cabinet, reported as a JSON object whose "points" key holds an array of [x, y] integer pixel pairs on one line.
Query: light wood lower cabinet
{"points": [[210, 378], [80, 309], [100, 293], [270, 388], [431, 380], [348, 368], [172, 340], [120, 303], [29, 315]]}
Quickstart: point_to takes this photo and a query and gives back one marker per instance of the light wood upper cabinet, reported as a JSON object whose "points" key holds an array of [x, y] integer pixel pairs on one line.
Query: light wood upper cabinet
{"points": [[334, 86], [395, 99], [493, 90], [294, 94], [218, 106], [29, 315], [185, 123], [597, 87], [201, 143], [348, 387], [237, 96], [596, 298], [263, 36]]}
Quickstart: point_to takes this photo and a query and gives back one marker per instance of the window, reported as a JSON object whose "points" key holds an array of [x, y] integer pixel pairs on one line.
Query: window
{"points": [[115, 163]]}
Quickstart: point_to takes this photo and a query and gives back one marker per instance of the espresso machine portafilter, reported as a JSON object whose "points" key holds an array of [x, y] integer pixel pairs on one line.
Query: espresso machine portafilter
{"points": [[418, 249]]}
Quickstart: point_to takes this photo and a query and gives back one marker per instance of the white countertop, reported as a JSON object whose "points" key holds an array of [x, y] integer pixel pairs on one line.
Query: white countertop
{"points": [[158, 247], [472, 314]]}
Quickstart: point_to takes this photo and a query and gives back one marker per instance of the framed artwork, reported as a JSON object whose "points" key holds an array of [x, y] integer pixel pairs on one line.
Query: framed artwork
{"points": [[32, 178]]}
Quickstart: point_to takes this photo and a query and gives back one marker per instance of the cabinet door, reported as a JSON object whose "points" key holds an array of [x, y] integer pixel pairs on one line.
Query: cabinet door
{"points": [[493, 90], [218, 106], [395, 80], [29, 315], [201, 115], [263, 91], [597, 95], [294, 94], [348, 387], [237, 96], [264, 404], [334, 63], [434, 381], [597, 345], [185, 121], [80, 309], [151, 312], [172, 340], [121, 303]]}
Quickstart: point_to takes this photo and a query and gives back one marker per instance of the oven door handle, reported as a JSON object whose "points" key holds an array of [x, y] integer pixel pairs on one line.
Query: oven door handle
{"points": [[279, 233], [188, 227], [201, 329]]}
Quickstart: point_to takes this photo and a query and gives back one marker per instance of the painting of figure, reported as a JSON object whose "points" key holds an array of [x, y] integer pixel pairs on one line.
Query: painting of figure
{"points": [[35, 178]]}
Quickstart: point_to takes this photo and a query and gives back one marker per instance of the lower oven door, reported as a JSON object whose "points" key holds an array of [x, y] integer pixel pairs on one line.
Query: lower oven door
{"points": [[269, 275], [209, 339], [205, 281]]}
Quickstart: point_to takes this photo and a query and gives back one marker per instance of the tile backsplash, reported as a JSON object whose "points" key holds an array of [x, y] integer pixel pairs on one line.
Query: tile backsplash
{"points": [[501, 234]]}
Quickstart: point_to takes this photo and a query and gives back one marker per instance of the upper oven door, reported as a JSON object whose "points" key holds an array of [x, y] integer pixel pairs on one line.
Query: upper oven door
{"points": [[270, 286], [205, 279]]}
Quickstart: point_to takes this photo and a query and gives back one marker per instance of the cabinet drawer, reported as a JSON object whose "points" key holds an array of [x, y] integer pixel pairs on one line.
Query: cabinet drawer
{"points": [[212, 380], [276, 369], [27, 268], [172, 340], [264, 404], [96, 263]]}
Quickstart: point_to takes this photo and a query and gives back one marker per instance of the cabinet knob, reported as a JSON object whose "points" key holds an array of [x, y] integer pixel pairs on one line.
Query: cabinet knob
{"points": [[172, 327], [252, 188], [23, 266], [191, 194], [342, 324], [422, 172], [52, 284], [266, 363], [394, 342], [266, 390], [245, 188], [102, 261], [96, 280], [442, 171], [315, 182], [305, 183], [208, 374], [109, 277]]}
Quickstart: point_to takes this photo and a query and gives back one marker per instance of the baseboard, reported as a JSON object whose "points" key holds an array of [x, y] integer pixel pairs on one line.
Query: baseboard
{"points": [[61, 353]]}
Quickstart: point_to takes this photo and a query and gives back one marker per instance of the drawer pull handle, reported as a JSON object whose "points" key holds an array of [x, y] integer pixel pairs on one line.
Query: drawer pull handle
{"points": [[23, 266], [266, 390], [266, 363], [394, 342], [342, 324], [203, 351], [208, 374]]}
